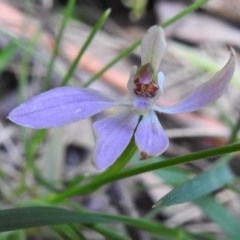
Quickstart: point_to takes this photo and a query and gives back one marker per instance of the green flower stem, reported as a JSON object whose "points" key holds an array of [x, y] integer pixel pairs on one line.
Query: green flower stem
{"points": [[125, 157], [103, 179], [95, 29], [131, 48], [123, 54]]}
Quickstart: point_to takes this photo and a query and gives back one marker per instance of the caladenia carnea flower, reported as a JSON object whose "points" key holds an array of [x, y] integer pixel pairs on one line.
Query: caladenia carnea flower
{"points": [[64, 105]]}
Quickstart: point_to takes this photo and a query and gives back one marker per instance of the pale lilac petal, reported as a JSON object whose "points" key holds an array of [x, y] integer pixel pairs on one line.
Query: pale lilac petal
{"points": [[59, 106], [153, 47], [150, 137], [114, 134], [206, 93]]}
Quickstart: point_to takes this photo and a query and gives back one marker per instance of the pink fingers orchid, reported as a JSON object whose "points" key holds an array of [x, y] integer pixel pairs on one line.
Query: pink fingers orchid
{"points": [[64, 105]]}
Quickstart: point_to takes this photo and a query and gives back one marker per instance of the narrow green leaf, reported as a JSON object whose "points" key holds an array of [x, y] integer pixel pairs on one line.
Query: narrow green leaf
{"points": [[95, 29], [173, 176], [100, 181], [184, 12], [20, 218], [116, 59], [69, 232], [214, 210], [199, 186], [228, 223]]}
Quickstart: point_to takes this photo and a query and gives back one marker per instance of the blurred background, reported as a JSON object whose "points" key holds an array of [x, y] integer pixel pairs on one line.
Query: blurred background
{"points": [[196, 50]]}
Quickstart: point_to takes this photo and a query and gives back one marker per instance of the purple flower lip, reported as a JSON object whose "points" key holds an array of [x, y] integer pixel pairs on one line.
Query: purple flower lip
{"points": [[65, 105]]}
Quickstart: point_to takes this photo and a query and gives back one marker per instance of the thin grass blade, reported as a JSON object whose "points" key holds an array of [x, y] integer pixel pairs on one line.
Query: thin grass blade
{"points": [[21, 218], [104, 179], [199, 186], [88, 41], [227, 221]]}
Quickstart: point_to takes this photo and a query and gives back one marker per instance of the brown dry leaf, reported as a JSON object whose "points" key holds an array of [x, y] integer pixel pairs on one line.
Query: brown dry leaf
{"points": [[197, 28], [229, 10]]}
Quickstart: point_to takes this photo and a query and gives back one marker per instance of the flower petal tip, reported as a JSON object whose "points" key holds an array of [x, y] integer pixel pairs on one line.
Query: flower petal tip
{"points": [[60, 106], [232, 59], [150, 137], [153, 47], [113, 135], [207, 92], [16, 117], [231, 49], [101, 167]]}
